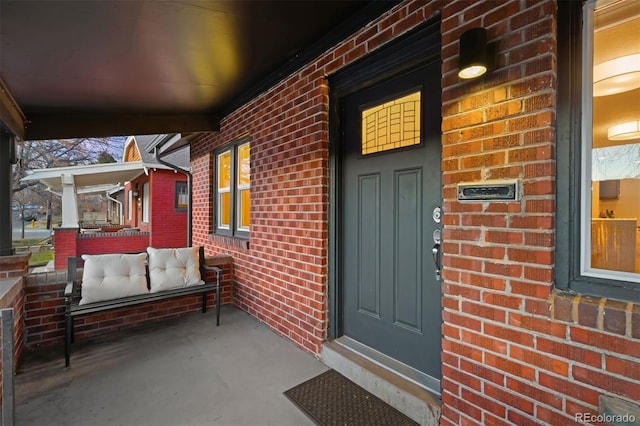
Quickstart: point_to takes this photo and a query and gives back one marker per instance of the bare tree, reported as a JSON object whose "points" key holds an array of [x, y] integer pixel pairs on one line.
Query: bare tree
{"points": [[47, 154], [616, 162]]}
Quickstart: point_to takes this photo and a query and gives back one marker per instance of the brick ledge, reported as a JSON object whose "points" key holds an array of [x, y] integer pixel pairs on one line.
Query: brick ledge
{"points": [[613, 316]]}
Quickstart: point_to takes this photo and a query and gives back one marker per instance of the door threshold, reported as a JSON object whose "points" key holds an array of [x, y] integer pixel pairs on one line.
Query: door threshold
{"points": [[402, 392], [403, 370]]}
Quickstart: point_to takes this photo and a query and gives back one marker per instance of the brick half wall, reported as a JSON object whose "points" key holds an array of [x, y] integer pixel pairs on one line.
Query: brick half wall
{"points": [[44, 308], [12, 270]]}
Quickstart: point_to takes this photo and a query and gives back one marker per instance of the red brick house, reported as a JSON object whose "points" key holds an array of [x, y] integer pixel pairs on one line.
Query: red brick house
{"points": [[518, 300], [507, 304], [158, 199], [152, 196]]}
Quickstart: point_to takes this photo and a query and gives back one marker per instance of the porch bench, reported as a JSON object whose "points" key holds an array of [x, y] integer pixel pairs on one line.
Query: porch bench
{"points": [[74, 307]]}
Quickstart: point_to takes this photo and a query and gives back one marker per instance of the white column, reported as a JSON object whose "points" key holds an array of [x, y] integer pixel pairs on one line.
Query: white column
{"points": [[69, 202]]}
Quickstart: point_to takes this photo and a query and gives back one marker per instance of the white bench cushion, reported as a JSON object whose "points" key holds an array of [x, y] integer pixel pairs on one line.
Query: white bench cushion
{"points": [[173, 268], [111, 276]]}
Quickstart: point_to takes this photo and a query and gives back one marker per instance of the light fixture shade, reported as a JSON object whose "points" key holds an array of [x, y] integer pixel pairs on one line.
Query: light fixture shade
{"points": [[473, 61], [617, 75], [624, 131]]}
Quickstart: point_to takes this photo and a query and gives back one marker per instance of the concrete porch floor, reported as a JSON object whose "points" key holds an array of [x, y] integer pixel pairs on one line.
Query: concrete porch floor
{"points": [[178, 372]]}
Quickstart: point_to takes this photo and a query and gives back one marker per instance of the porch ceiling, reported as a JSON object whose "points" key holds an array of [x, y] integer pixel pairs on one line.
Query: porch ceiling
{"points": [[103, 68], [90, 176]]}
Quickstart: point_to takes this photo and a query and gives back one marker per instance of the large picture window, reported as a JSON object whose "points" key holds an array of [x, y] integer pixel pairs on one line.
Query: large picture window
{"points": [[602, 215], [233, 185], [611, 141]]}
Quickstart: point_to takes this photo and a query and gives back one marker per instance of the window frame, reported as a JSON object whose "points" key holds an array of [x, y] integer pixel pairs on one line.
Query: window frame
{"points": [[146, 203], [223, 229], [130, 205], [238, 228], [179, 184], [234, 229], [569, 165]]}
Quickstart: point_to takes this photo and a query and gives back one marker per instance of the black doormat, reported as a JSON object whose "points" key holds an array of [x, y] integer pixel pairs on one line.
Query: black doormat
{"points": [[332, 399]]}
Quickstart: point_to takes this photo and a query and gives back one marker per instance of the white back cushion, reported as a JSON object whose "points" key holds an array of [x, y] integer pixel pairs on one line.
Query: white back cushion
{"points": [[110, 276], [173, 268]]}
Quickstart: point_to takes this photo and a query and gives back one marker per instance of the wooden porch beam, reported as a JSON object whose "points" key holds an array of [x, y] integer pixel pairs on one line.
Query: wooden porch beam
{"points": [[10, 112], [109, 124]]}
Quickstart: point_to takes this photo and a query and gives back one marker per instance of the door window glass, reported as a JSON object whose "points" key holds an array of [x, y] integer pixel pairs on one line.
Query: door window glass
{"points": [[393, 124]]}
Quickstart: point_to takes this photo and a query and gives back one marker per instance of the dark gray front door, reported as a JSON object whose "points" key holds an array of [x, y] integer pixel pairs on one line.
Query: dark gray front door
{"points": [[391, 178]]}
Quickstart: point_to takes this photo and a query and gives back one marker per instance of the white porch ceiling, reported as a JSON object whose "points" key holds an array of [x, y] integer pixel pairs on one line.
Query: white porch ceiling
{"points": [[92, 175]]}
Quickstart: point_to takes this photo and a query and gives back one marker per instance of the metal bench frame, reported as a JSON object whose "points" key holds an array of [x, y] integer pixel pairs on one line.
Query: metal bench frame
{"points": [[72, 298]]}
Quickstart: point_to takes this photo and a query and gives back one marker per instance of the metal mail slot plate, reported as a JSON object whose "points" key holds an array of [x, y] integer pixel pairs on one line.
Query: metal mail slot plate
{"points": [[489, 191]]}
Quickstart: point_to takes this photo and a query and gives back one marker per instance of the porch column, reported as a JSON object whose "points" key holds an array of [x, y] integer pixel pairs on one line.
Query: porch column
{"points": [[7, 157], [69, 202]]}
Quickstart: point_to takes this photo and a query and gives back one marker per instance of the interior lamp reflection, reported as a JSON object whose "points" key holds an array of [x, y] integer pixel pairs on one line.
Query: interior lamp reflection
{"points": [[617, 75], [624, 131]]}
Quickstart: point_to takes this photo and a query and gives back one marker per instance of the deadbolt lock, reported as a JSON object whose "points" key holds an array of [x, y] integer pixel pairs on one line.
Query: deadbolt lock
{"points": [[437, 214]]}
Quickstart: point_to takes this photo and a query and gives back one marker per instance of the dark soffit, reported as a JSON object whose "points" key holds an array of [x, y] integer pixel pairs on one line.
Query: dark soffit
{"points": [[135, 67]]}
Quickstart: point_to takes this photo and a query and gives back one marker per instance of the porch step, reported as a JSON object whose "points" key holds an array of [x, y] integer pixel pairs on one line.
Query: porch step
{"points": [[404, 395]]}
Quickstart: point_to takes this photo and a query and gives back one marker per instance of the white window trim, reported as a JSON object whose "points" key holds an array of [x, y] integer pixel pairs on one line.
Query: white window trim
{"points": [[145, 203], [240, 188], [223, 190], [130, 206], [586, 147]]}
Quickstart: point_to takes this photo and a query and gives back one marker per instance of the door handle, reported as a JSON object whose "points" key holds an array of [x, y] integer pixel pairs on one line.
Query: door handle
{"points": [[436, 259]]}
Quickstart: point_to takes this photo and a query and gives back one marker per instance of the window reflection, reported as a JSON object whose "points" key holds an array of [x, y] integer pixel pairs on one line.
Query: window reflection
{"points": [[615, 140]]}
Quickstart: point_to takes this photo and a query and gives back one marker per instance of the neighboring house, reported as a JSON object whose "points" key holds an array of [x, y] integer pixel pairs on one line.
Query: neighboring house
{"points": [[157, 200], [150, 196], [450, 229]]}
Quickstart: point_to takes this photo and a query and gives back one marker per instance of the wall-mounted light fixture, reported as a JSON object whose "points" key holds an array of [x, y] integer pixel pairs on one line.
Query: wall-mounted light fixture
{"points": [[616, 75], [625, 131], [476, 56]]}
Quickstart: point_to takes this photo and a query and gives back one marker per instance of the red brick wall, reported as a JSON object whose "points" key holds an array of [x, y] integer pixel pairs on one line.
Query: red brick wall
{"points": [[15, 302], [68, 243], [44, 310], [111, 242], [282, 277], [168, 226], [513, 352], [64, 244], [12, 270]]}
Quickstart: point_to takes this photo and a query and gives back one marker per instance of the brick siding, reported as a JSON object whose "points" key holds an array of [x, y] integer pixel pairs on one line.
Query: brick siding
{"points": [[168, 227], [513, 351], [12, 270], [65, 245], [110, 242]]}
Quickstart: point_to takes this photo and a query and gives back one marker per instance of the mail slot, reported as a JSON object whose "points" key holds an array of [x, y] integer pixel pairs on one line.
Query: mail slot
{"points": [[489, 191]]}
